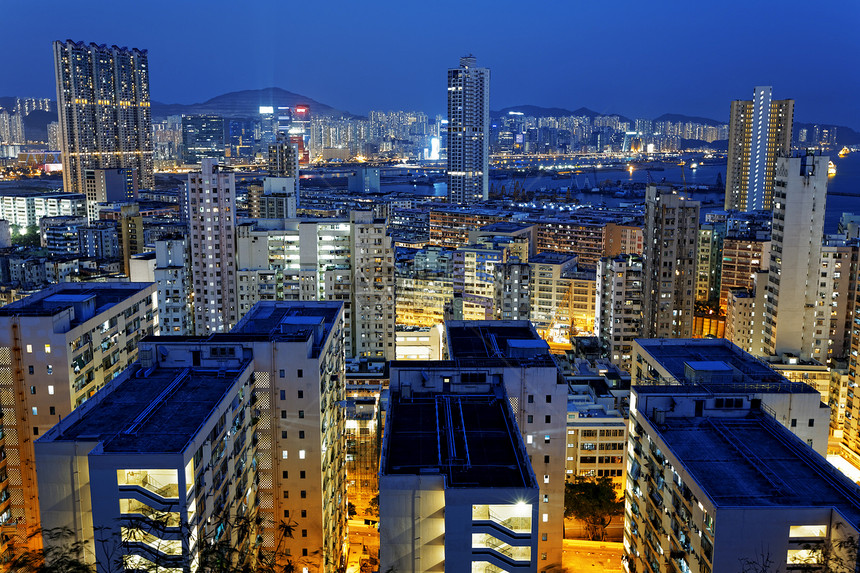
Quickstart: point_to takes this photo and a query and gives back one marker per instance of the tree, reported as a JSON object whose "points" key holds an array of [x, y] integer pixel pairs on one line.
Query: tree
{"points": [[594, 502], [351, 510], [61, 554]]}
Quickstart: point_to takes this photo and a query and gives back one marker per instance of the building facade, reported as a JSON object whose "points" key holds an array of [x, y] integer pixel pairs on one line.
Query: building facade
{"points": [[468, 132]]}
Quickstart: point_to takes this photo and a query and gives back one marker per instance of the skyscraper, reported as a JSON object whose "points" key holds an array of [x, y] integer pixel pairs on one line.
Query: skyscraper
{"points": [[468, 132], [759, 131], [103, 106], [211, 211]]}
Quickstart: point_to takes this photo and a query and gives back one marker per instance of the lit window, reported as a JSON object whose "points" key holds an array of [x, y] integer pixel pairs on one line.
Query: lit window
{"points": [[301, 454], [529, 439], [47, 349], [545, 517], [51, 390], [546, 479], [807, 531], [283, 454], [29, 349], [35, 411]]}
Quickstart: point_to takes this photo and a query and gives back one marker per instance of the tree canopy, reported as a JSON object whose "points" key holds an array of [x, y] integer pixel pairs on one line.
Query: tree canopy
{"points": [[594, 502]]}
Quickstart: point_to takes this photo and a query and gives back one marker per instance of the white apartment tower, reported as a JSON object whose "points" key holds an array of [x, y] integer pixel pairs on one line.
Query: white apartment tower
{"points": [[174, 286], [792, 303], [759, 132], [468, 132], [104, 111], [211, 213]]}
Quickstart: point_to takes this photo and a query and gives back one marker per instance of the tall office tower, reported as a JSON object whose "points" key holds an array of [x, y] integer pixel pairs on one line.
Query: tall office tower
{"points": [[759, 132], [618, 320], [468, 132], [792, 306], [173, 278], [57, 348], [211, 213], [202, 137], [300, 132], [669, 263], [103, 104], [108, 186]]}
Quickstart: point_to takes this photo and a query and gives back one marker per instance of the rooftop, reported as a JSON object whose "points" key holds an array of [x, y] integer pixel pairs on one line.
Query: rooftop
{"points": [[59, 297], [550, 258], [677, 356], [148, 412], [755, 462], [472, 440], [493, 339], [504, 227], [289, 320]]}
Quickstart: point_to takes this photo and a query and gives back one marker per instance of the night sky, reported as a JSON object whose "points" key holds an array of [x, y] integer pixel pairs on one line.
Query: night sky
{"points": [[640, 58]]}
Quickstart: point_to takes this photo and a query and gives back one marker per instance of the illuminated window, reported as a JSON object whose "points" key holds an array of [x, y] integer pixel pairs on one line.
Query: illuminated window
{"points": [[807, 531], [47, 349], [301, 454]]}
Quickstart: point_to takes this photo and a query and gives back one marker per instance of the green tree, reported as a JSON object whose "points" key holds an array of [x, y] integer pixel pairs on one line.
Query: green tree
{"points": [[593, 502], [61, 554]]}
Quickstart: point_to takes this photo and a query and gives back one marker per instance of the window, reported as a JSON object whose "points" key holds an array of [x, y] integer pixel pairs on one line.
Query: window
{"points": [[811, 422], [283, 414], [51, 390], [50, 369], [282, 373], [35, 431], [546, 438], [286, 513], [283, 394], [35, 411], [301, 454], [286, 494], [546, 498], [301, 434], [300, 373], [52, 411], [531, 399], [31, 370], [546, 478], [305, 554], [285, 474], [301, 394], [794, 422], [543, 537], [304, 532], [546, 459], [47, 349], [530, 419], [549, 398], [303, 494], [284, 434], [529, 439], [302, 474], [29, 349], [283, 454], [304, 513], [32, 389], [545, 517], [548, 419], [301, 413], [807, 531]]}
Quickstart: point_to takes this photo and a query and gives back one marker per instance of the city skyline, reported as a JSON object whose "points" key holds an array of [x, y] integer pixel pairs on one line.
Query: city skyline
{"points": [[569, 67]]}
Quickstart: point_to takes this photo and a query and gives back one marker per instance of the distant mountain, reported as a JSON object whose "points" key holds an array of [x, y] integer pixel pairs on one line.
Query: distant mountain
{"points": [[538, 111], [245, 103], [690, 118]]}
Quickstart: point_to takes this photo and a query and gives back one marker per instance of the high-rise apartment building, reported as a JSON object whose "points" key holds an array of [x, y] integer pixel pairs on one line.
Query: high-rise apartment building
{"points": [[759, 132], [618, 318], [104, 111], [211, 212], [669, 263], [468, 132], [57, 348], [173, 277], [327, 259], [108, 186], [792, 305]]}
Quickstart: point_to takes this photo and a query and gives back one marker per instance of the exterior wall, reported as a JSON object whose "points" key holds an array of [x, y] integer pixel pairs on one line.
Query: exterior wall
{"points": [[671, 233], [174, 287], [47, 369], [212, 198], [468, 132], [618, 316], [412, 523]]}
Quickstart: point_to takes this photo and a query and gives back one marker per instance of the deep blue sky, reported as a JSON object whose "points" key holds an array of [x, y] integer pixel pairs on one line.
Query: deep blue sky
{"points": [[641, 58]]}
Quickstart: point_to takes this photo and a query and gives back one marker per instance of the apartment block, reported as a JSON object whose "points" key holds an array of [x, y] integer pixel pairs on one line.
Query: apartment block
{"points": [[57, 348], [173, 277], [618, 316]]}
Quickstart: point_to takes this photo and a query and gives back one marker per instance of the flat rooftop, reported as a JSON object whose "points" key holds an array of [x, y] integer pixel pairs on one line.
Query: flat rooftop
{"points": [[675, 354], [155, 413], [285, 320], [471, 440], [470, 339], [755, 462], [550, 258], [59, 297], [504, 227]]}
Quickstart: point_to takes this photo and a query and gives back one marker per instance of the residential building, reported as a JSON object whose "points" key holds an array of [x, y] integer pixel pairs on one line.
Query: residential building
{"points": [[475, 506], [716, 484], [202, 138], [759, 132], [108, 186], [719, 367], [25, 209], [164, 463], [562, 296], [173, 277], [57, 348], [669, 263], [212, 211], [468, 132], [104, 111], [618, 318], [131, 234]]}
